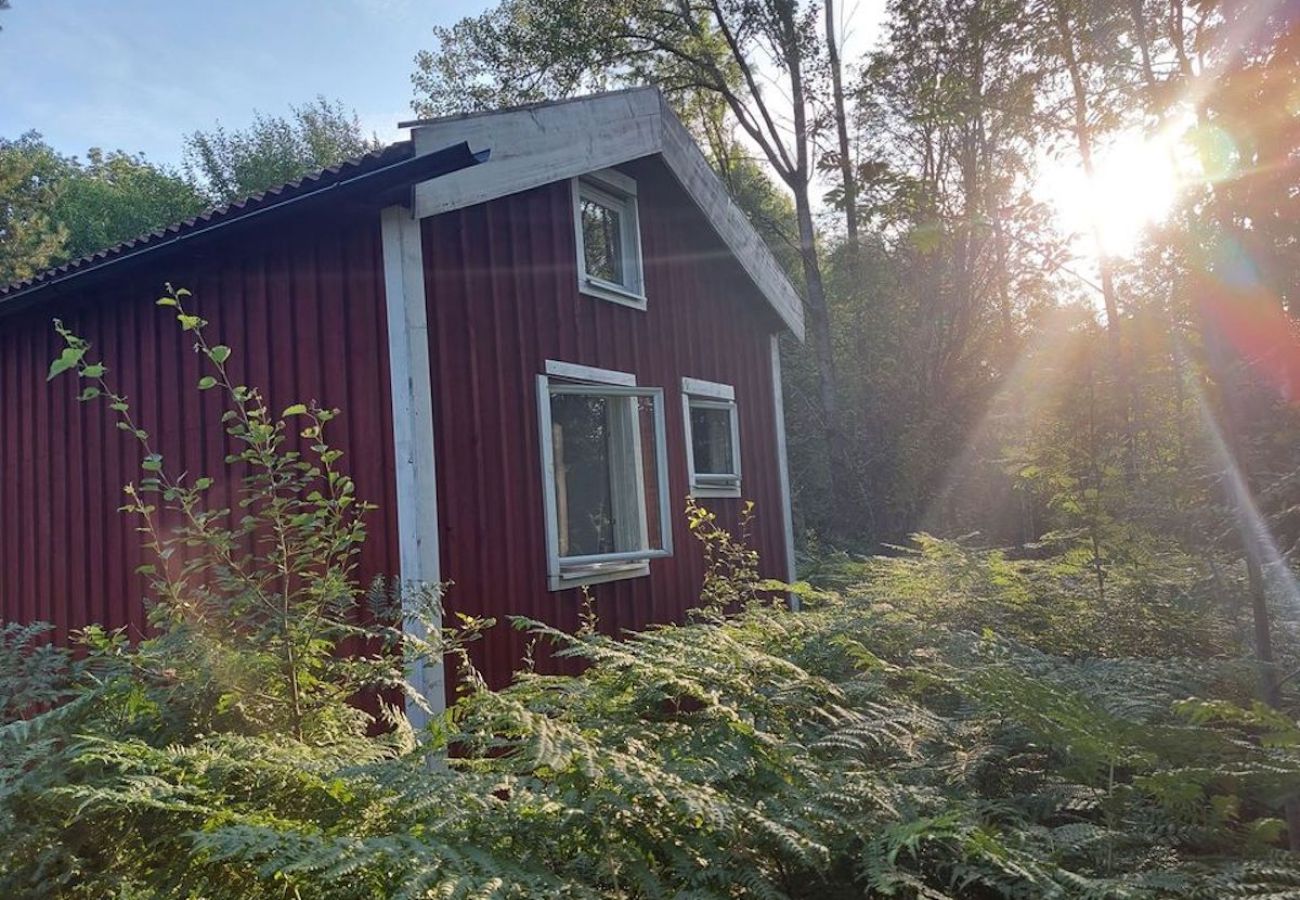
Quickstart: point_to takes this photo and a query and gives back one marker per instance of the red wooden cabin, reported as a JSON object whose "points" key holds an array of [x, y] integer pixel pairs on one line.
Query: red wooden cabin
{"points": [[540, 348]]}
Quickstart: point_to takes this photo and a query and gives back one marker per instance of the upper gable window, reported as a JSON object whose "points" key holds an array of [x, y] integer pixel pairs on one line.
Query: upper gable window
{"points": [[608, 237]]}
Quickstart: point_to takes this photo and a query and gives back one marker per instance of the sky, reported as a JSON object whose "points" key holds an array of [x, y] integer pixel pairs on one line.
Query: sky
{"points": [[138, 75]]}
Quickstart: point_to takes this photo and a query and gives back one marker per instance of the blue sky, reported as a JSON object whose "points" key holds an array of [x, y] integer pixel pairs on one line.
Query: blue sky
{"points": [[138, 75]]}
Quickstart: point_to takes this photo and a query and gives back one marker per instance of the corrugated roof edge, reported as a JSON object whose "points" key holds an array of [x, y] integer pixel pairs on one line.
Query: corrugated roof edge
{"points": [[372, 163]]}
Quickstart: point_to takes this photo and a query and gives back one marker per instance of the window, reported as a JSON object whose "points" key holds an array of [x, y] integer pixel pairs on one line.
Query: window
{"points": [[608, 237], [603, 464], [712, 438]]}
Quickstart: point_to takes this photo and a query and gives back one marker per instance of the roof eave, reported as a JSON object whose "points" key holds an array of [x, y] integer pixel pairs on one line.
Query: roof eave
{"points": [[376, 185]]}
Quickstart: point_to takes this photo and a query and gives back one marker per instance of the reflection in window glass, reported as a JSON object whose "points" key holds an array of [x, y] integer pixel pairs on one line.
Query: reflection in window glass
{"points": [[607, 482], [602, 241], [580, 432], [711, 440]]}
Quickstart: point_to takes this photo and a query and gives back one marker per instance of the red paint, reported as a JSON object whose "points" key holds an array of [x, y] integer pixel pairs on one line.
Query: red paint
{"points": [[502, 299], [303, 308], [302, 305]]}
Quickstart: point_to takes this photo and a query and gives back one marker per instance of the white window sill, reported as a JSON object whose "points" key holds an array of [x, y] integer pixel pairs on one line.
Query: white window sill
{"points": [[714, 491], [598, 573], [612, 293]]}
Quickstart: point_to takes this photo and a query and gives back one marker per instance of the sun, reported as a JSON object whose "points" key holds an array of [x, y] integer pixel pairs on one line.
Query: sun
{"points": [[1136, 180]]}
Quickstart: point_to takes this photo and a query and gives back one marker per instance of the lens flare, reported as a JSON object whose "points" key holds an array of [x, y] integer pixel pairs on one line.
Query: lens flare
{"points": [[1136, 180]]}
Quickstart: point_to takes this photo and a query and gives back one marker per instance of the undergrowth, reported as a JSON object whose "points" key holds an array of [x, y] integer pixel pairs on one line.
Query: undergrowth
{"points": [[936, 726]]}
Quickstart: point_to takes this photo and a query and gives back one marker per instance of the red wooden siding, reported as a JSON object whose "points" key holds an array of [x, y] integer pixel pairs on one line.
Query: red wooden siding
{"points": [[502, 294], [303, 308]]}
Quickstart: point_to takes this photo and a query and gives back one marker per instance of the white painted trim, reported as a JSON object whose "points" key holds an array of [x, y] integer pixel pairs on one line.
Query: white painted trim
{"points": [[698, 387], [697, 392], [632, 294], [783, 466], [601, 382], [412, 401], [612, 180], [550, 142], [577, 372]]}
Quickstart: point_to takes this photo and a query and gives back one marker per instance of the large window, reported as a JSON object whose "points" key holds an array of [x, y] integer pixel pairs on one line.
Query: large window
{"points": [[608, 237], [603, 465], [712, 438]]}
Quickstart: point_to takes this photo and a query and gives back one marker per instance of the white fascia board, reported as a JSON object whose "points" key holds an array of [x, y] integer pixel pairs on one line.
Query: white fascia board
{"points": [[702, 184], [536, 145]]}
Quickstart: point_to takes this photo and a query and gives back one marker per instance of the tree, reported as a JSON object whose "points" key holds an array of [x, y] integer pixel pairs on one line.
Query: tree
{"points": [[57, 208], [274, 150], [1087, 44], [753, 56], [31, 238], [116, 196]]}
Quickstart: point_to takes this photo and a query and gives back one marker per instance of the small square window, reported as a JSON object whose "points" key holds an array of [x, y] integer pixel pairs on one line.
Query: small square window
{"points": [[603, 457], [712, 438], [608, 238]]}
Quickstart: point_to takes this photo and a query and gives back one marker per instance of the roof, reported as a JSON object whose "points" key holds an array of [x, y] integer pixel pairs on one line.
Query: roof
{"points": [[376, 171], [546, 142], [530, 146]]}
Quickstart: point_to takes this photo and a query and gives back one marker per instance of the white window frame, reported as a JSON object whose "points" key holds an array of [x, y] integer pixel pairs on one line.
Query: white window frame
{"points": [[575, 571], [613, 189], [711, 395]]}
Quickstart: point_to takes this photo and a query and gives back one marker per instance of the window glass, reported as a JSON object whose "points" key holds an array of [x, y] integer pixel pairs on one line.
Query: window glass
{"points": [[711, 439], [607, 480], [602, 240], [580, 433]]}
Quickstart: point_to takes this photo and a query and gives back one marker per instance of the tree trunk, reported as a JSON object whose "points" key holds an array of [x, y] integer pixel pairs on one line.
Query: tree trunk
{"points": [[1084, 140], [819, 320], [842, 129], [1237, 480], [1106, 267]]}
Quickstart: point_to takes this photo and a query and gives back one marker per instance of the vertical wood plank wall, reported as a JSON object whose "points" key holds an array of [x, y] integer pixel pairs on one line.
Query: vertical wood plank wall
{"points": [[502, 297], [302, 306]]}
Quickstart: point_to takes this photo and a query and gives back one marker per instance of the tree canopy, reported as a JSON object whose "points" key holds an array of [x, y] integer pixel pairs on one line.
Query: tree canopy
{"points": [[273, 150]]}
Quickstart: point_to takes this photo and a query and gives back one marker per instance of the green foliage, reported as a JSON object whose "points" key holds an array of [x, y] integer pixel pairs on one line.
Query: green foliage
{"points": [[115, 196], [881, 742], [31, 239], [1161, 602], [57, 208], [274, 149]]}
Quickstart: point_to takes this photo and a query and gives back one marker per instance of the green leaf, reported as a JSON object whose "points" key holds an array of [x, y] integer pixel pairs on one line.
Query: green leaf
{"points": [[202, 484], [188, 322], [94, 370], [219, 353], [151, 463], [298, 409], [67, 360], [89, 392], [166, 301], [146, 569], [207, 382]]}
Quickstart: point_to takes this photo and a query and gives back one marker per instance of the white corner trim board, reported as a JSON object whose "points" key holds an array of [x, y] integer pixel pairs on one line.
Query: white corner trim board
{"points": [[412, 399], [783, 466], [544, 143]]}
